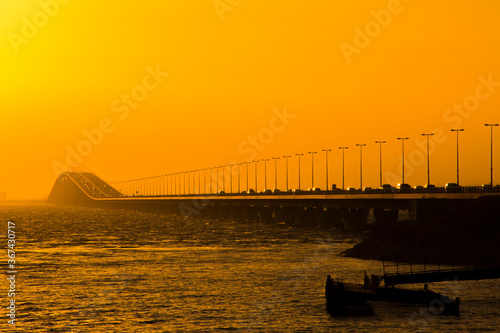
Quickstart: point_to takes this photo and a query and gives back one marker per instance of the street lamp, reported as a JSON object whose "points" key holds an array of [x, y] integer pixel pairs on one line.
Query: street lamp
{"points": [[265, 172], [230, 177], [491, 158], [238, 165], [312, 167], [275, 171], [403, 158], [380, 144], [179, 182], [361, 145], [343, 151], [457, 130], [286, 158], [428, 164], [199, 180], [299, 167], [255, 167], [326, 168], [247, 163], [217, 174], [210, 171], [223, 178]]}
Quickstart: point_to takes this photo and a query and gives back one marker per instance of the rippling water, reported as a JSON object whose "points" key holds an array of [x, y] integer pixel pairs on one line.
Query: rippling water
{"points": [[90, 270]]}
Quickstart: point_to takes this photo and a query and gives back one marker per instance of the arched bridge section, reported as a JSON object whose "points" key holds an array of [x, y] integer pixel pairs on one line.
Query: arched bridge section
{"points": [[81, 188]]}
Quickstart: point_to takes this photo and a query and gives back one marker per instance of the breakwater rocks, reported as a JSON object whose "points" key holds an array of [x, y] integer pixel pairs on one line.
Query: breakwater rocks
{"points": [[453, 238]]}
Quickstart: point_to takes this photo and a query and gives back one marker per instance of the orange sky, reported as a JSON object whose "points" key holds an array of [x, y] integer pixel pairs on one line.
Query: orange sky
{"points": [[68, 66]]}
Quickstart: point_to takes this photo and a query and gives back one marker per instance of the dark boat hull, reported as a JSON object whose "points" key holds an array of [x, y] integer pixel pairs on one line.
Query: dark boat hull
{"points": [[340, 297]]}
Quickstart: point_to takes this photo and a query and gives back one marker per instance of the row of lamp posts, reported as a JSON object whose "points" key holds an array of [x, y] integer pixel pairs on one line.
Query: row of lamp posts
{"points": [[175, 184]]}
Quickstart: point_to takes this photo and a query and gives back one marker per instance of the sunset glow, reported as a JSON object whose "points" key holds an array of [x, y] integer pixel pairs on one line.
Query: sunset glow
{"points": [[138, 89]]}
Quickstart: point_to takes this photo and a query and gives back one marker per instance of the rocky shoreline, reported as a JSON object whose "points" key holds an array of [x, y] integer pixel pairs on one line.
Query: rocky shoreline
{"points": [[453, 238]]}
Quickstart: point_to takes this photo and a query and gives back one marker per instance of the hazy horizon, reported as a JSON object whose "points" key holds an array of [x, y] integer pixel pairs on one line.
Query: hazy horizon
{"points": [[139, 90]]}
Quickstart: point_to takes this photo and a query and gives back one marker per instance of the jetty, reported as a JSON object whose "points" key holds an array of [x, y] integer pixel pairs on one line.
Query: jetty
{"points": [[477, 264]]}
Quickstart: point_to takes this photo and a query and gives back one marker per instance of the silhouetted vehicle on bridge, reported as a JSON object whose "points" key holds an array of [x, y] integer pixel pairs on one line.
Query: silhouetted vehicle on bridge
{"points": [[404, 188], [388, 188], [452, 188]]}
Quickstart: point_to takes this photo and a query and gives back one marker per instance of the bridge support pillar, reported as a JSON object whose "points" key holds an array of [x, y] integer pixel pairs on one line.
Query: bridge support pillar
{"points": [[212, 211], [225, 212], [237, 212], [305, 216], [428, 209], [386, 216], [266, 214], [355, 219], [330, 218], [283, 215], [250, 213]]}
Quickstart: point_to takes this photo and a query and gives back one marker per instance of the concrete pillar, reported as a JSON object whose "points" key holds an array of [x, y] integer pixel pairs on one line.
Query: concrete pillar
{"points": [[329, 217], [305, 216], [266, 214], [250, 213], [428, 209], [386, 216], [283, 215], [355, 219]]}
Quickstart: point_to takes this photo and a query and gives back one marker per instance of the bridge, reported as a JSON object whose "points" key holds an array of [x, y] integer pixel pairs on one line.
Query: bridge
{"points": [[348, 210]]}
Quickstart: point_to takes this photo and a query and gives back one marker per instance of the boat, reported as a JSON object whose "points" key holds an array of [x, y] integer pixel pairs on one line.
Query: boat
{"points": [[343, 298]]}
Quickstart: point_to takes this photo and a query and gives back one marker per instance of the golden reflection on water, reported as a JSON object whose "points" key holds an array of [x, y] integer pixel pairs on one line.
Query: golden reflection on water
{"points": [[89, 270]]}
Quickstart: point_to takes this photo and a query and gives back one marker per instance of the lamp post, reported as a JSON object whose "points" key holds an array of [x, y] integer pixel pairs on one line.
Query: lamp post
{"points": [[179, 182], [265, 172], [223, 178], [275, 171], [428, 163], [326, 167], [199, 180], [238, 165], [343, 164], [403, 158], [230, 177], [255, 167], [247, 163], [299, 167], [185, 174], [361, 145], [380, 166], [210, 171], [217, 174], [491, 154], [457, 130], [286, 158], [312, 167]]}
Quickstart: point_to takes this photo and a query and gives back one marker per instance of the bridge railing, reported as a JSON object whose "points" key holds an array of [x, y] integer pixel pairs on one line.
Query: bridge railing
{"points": [[440, 261]]}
